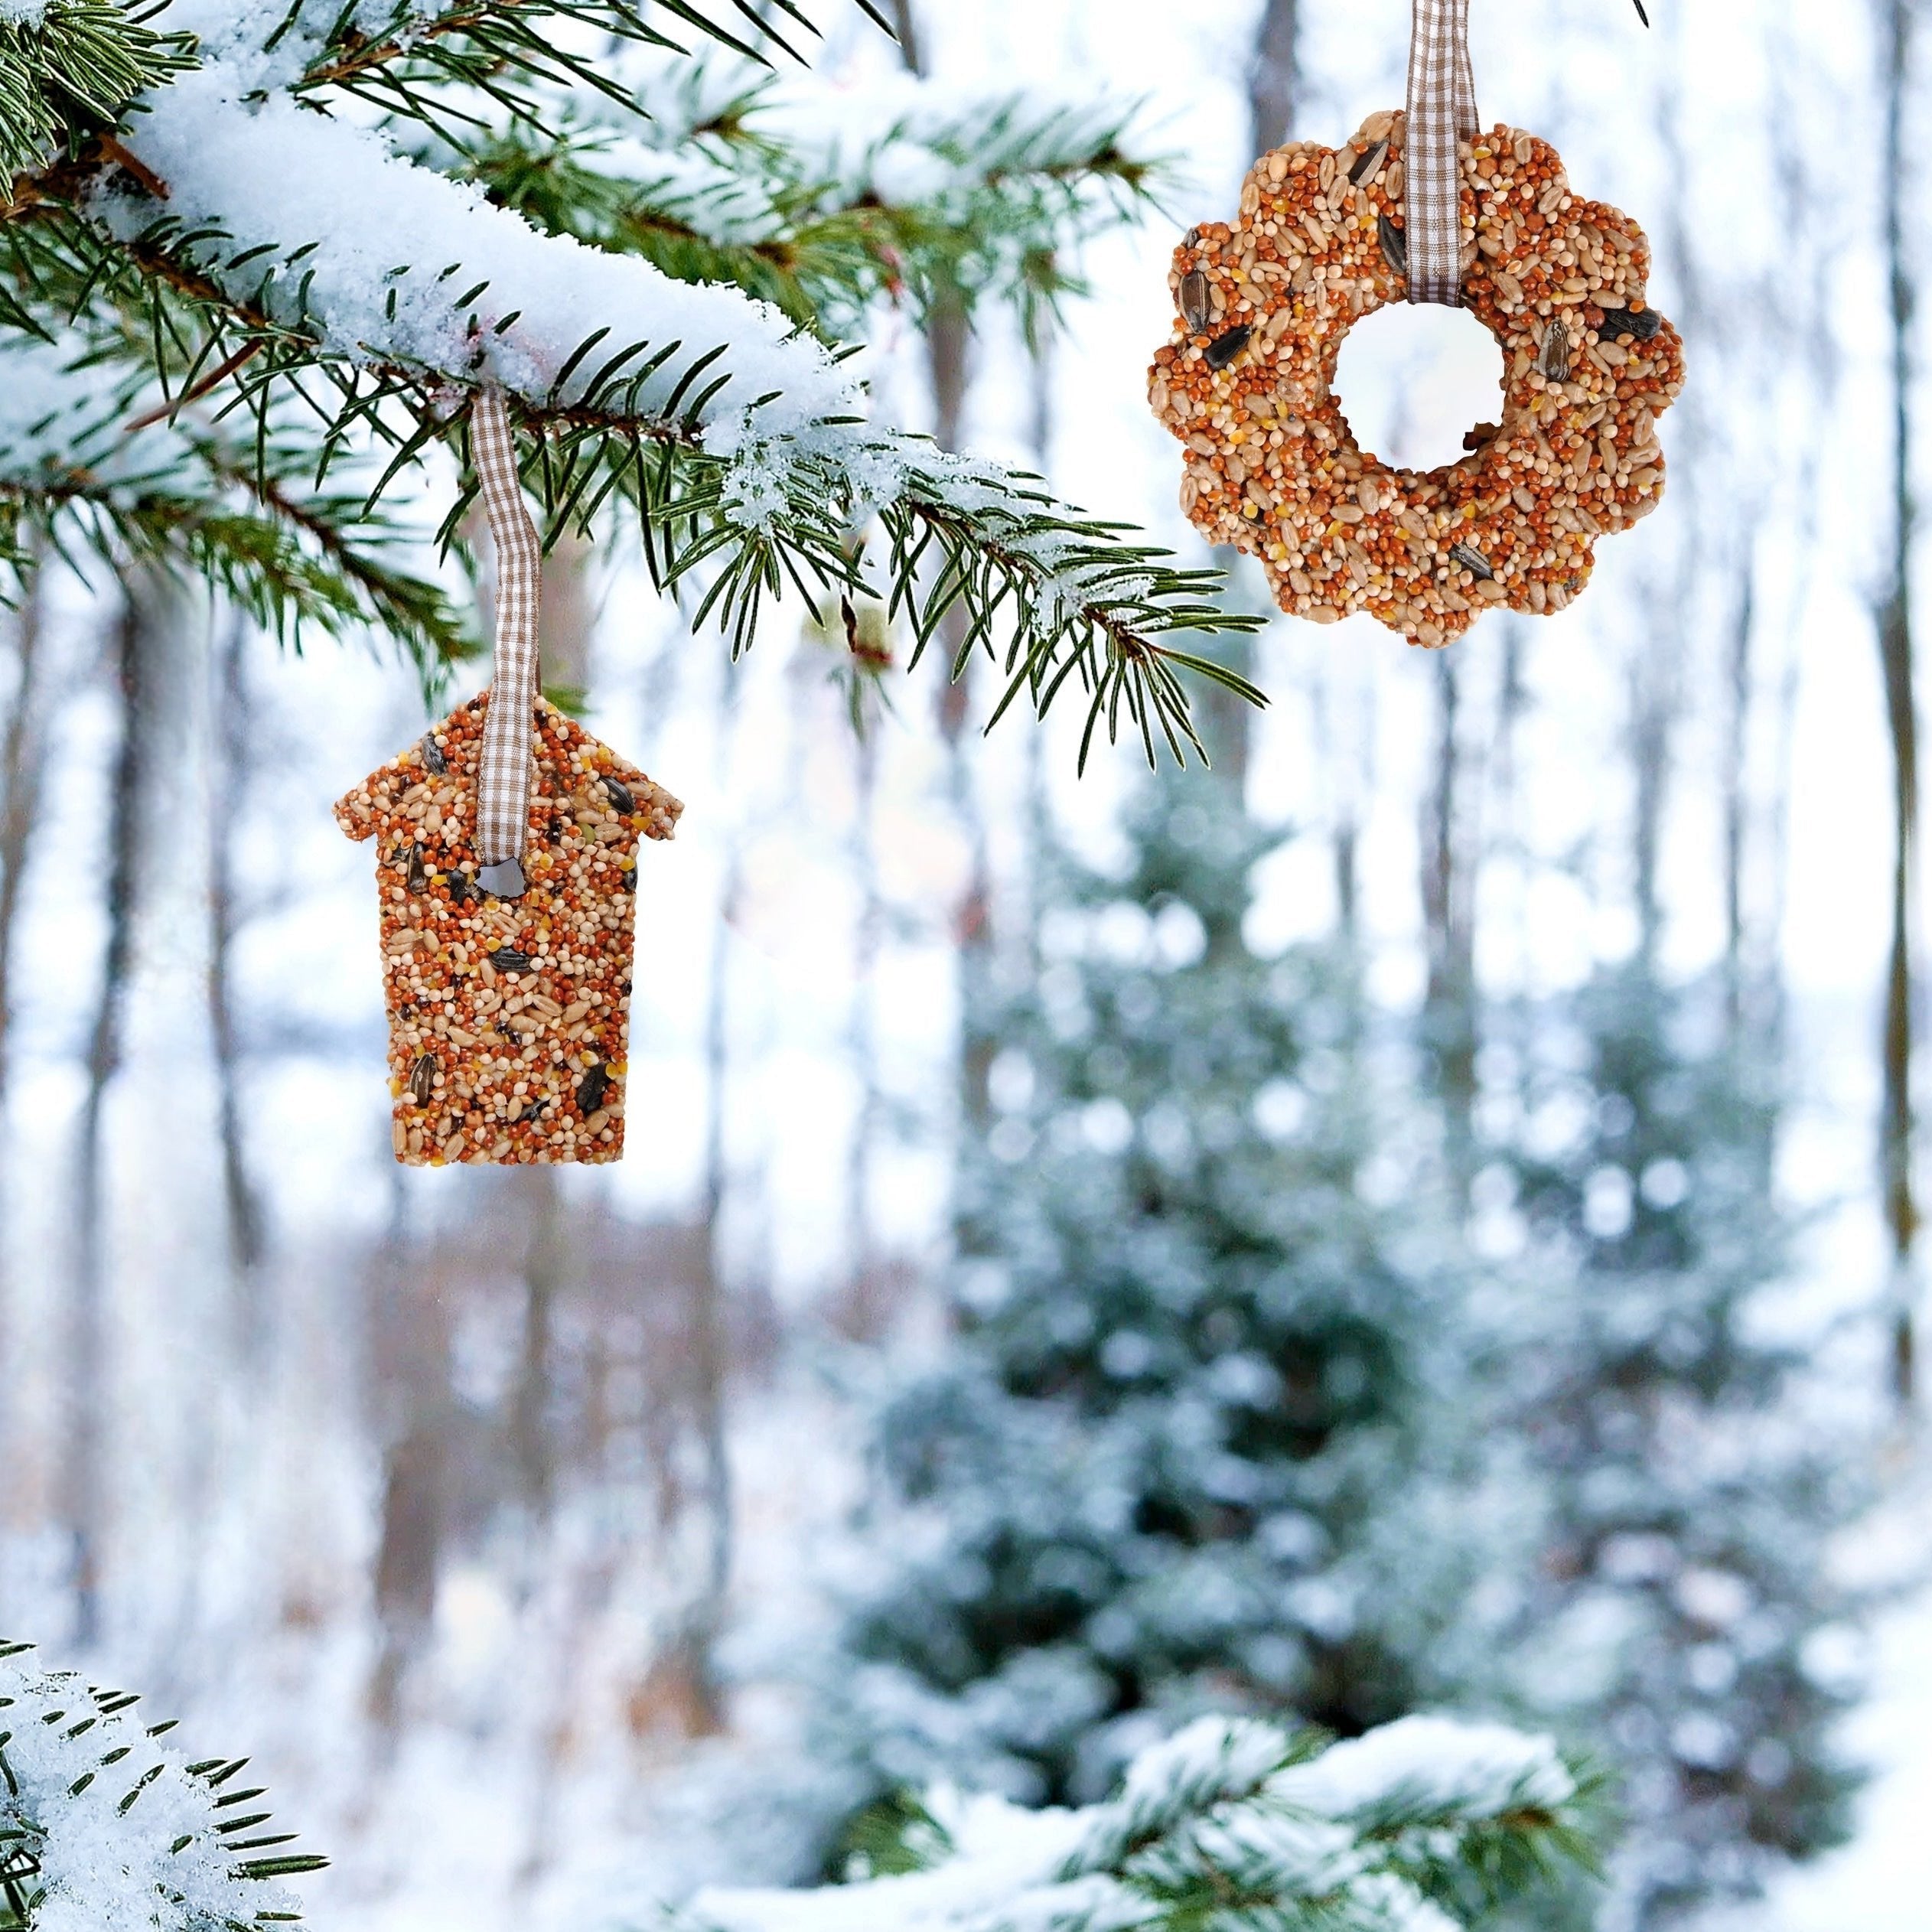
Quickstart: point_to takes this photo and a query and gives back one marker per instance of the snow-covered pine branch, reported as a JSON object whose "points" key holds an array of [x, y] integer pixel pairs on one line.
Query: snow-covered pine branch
{"points": [[818, 199], [230, 227], [1422, 1827], [93, 462], [102, 1827]]}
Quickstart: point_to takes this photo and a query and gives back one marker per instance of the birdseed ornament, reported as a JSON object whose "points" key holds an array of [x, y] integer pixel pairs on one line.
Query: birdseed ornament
{"points": [[1418, 206], [507, 842]]}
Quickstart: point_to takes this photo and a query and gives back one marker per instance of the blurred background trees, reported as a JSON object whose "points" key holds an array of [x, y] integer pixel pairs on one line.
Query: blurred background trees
{"points": [[1389, 1225]]}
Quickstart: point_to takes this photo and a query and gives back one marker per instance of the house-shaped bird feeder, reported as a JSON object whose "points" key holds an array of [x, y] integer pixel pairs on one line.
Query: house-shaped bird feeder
{"points": [[508, 1015]]}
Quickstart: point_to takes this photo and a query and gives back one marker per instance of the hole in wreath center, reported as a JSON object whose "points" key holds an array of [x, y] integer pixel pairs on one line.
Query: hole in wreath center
{"points": [[1414, 378]]}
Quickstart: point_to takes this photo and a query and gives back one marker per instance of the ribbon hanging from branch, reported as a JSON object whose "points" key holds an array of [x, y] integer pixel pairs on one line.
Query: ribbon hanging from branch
{"points": [[1442, 114], [504, 780]]}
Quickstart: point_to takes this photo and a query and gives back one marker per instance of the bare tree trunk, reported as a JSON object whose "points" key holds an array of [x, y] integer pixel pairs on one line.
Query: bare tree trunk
{"points": [[708, 1327], [83, 1470], [1737, 809], [544, 1263], [1036, 805], [410, 1359], [22, 763], [231, 741], [1274, 77], [863, 1029], [22, 760], [1895, 650], [1449, 862], [709, 1337], [948, 349], [907, 27]]}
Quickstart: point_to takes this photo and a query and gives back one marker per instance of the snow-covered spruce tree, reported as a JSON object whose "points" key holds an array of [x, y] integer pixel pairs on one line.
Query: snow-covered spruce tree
{"points": [[1675, 1616], [1422, 1826], [255, 257], [102, 1827], [1191, 1449]]}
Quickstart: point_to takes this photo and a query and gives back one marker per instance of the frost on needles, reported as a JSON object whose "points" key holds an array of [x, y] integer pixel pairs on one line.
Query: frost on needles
{"points": [[103, 1829], [1422, 1827], [301, 235]]}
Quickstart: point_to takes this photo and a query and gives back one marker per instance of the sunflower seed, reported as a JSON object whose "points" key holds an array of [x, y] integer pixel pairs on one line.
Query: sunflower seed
{"points": [[1553, 359], [1642, 324], [1372, 158], [1472, 560], [620, 795], [419, 874], [1395, 245], [1226, 347], [591, 1088], [432, 754], [506, 959], [462, 888], [423, 1079], [1194, 301]]}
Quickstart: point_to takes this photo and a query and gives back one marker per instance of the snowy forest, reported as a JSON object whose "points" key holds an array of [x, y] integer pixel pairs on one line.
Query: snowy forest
{"points": [[1262, 1278]]}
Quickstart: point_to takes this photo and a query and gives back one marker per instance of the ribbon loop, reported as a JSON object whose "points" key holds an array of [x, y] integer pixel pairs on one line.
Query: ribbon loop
{"points": [[1442, 114], [503, 780]]}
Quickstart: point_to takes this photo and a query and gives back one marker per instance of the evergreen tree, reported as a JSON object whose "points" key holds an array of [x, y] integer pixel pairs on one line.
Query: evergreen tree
{"points": [[1192, 1447], [1682, 1617]]}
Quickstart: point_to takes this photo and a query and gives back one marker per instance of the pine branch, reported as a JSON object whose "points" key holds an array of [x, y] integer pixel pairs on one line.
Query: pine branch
{"points": [[505, 49], [1020, 188], [81, 1779], [71, 67], [741, 450], [1050, 594], [1230, 1823], [99, 475]]}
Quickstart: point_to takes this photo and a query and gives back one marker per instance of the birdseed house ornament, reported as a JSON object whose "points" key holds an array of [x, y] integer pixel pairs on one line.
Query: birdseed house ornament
{"points": [[1420, 205], [506, 848]]}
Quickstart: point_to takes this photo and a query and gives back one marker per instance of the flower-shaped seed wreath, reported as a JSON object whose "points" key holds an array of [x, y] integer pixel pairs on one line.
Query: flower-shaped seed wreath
{"points": [[1248, 382]]}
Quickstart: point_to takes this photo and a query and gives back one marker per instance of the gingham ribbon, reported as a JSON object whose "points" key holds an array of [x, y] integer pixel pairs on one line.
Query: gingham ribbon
{"points": [[503, 783], [1441, 112]]}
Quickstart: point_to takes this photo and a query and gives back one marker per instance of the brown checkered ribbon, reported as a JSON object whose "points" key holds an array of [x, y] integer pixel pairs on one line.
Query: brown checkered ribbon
{"points": [[503, 783], [1441, 113]]}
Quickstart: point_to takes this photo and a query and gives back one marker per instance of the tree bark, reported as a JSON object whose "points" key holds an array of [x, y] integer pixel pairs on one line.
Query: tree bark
{"points": [[83, 1469], [1274, 76], [409, 1361], [21, 764], [1894, 619], [948, 361], [907, 27], [232, 754], [1737, 804], [1449, 862]]}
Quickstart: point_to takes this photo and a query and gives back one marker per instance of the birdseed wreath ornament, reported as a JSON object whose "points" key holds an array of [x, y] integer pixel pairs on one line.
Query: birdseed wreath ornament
{"points": [[1418, 206], [507, 842]]}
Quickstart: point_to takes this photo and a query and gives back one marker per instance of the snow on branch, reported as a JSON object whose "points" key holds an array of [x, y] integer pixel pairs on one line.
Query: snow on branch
{"points": [[823, 199], [102, 1827], [93, 461], [248, 238], [1233, 1822]]}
